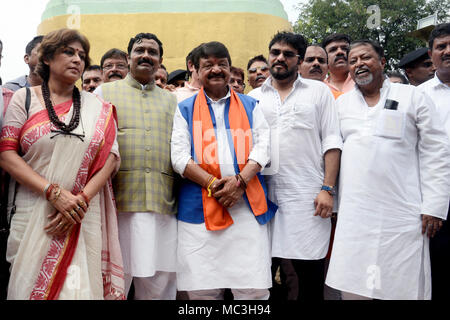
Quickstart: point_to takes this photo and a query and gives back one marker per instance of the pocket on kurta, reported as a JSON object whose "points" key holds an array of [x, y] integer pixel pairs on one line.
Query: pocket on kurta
{"points": [[302, 117], [390, 124], [168, 194]]}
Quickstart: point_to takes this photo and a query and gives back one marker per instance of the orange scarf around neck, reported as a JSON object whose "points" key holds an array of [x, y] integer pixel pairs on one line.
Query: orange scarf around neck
{"points": [[205, 146]]}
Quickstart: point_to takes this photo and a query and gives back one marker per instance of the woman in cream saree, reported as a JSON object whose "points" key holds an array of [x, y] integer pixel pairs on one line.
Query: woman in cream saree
{"points": [[50, 257]]}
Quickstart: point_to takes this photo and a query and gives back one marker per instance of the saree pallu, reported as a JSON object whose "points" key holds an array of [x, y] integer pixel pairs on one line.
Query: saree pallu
{"points": [[86, 263]]}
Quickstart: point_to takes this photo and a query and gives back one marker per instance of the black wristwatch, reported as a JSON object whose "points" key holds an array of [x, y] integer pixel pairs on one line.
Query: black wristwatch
{"points": [[331, 190]]}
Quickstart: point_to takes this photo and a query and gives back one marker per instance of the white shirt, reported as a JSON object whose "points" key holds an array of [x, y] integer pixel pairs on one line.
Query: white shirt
{"points": [[440, 94], [304, 127], [394, 167], [239, 256]]}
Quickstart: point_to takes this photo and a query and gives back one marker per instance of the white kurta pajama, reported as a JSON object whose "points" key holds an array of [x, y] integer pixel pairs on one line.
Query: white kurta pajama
{"points": [[394, 167], [304, 127], [239, 256]]}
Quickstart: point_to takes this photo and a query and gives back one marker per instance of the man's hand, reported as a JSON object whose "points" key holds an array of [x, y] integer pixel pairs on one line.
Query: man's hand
{"points": [[433, 225], [229, 192], [323, 204]]}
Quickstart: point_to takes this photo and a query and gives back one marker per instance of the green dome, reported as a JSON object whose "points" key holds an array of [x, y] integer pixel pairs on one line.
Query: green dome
{"points": [[61, 7]]}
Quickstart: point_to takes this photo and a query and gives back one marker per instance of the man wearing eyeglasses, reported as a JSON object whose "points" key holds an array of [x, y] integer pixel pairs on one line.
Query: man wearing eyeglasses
{"points": [[418, 66], [114, 65], [257, 71], [305, 153]]}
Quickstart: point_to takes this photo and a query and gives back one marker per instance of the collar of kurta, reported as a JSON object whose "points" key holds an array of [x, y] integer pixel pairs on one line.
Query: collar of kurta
{"points": [[223, 98], [267, 85], [386, 86], [437, 82], [135, 84]]}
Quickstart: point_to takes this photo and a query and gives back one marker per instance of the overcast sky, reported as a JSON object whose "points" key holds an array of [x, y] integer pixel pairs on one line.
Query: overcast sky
{"points": [[19, 20]]}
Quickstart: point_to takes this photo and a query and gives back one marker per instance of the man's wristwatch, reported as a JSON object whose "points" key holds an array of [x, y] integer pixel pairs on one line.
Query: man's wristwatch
{"points": [[331, 190]]}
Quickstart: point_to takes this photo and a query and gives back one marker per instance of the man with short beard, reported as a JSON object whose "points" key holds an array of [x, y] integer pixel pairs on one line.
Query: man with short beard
{"points": [[438, 88], [114, 65], [144, 183], [305, 153], [315, 64], [336, 45], [393, 185]]}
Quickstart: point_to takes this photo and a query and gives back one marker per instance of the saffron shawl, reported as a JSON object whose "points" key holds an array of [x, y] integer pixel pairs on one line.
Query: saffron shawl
{"points": [[205, 146]]}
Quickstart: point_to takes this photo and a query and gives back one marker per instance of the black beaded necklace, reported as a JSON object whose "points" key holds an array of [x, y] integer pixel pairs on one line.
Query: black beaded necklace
{"points": [[75, 121]]}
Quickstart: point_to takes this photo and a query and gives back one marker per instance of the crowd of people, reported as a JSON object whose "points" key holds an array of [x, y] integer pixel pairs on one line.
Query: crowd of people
{"points": [[329, 180]]}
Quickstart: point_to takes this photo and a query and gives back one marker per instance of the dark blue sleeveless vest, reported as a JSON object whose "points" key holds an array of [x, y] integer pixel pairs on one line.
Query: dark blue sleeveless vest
{"points": [[190, 203]]}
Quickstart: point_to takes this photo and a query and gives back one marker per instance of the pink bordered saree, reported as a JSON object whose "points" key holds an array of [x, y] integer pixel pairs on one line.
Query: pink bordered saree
{"points": [[87, 262]]}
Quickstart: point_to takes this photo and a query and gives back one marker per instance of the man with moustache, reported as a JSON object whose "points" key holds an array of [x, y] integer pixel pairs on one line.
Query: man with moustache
{"points": [[336, 45], [393, 187], [257, 71], [220, 143], [315, 63], [438, 88], [144, 183], [418, 66], [92, 78], [31, 59], [114, 64], [306, 142]]}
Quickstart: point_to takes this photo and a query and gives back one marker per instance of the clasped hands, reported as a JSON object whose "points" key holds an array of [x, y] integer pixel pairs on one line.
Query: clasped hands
{"points": [[70, 210], [227, 191]]}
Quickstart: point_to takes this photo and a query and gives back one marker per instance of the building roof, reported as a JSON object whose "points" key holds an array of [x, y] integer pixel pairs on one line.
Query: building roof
{"points": [[68, 7]]}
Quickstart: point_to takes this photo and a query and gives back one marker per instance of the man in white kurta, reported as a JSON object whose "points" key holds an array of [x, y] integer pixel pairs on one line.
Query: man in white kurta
{"points": [[237, 257], [393, 187], [438, 89], [305, 150]]}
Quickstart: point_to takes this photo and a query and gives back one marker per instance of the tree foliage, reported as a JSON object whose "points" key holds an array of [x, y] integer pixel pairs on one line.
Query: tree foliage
{"points": [[397, 18]]}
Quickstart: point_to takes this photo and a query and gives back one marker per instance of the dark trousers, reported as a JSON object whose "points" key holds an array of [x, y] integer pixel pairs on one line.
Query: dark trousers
{"points": [[288, 289], [440, 263], [311, 279]]}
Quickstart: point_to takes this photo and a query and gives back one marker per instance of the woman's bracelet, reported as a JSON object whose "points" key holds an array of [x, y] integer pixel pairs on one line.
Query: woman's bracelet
{"points": [[85, 197], [57, 193], [49, 190], [45, 189]]}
